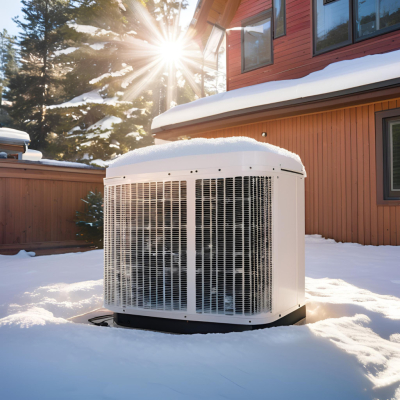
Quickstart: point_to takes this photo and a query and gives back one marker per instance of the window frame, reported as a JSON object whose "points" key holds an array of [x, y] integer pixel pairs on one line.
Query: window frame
{"points": [[251, 20], [314, 28], [372, 35], [284, 18], [385, 195], [353, 31]]}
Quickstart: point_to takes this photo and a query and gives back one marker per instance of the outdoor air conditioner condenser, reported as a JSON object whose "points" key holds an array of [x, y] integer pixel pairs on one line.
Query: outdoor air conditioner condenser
{"points": [[205, 236]]}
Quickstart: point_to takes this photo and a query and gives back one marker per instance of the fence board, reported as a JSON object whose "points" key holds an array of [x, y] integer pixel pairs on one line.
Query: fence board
{"points": [[38, 203]]}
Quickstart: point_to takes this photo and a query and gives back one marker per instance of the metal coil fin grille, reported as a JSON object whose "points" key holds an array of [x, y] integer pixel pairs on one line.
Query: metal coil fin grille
{"points": [[145, 245], [234, 245]]}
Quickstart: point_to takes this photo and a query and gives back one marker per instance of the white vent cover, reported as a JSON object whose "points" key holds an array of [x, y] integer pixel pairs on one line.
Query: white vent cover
{"points": [[234, 245], [145, 245]]}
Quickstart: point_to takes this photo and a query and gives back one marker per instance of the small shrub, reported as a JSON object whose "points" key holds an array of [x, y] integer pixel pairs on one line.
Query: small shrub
{"points": [[90, 221]]}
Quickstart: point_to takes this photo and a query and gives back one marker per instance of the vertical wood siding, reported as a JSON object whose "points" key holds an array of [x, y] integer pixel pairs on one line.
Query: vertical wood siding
{"points": [[293, 54], [338, 151], [41, 210]]}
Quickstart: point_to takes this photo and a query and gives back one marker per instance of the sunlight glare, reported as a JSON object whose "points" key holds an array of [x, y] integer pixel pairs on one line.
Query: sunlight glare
{"points": [[171, 52]]}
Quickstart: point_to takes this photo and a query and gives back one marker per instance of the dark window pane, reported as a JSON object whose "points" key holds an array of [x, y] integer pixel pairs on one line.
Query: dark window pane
{"points": [[279, 18], [395, 154], [374, 15], [257, 44], [332, 24]]}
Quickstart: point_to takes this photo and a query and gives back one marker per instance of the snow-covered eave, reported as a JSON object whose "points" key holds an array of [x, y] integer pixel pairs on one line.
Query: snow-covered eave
{"points": [[349, 78], [318, 100]]}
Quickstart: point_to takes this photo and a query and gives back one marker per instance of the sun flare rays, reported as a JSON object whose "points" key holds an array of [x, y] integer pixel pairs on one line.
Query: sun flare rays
{"points": [[166, 51]]}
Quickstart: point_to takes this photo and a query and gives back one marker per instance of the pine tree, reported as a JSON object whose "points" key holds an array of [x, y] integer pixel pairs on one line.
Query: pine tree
{"points": [[8, 68], [96, 123], [37, 84], [90, 221], [113, 92]]}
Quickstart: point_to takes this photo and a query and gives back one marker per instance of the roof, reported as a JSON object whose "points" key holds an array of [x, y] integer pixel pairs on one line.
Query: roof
{"points": [[210, 13], [356, 75], [14, 137]]}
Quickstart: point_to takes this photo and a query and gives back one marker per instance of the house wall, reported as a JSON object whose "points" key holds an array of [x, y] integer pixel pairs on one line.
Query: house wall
{"points": [[338, 151], [293, 53], [38, 204]]}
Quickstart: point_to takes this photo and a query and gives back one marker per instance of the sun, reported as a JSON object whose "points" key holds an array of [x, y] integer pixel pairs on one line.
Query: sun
{"points": [[171, 52]]}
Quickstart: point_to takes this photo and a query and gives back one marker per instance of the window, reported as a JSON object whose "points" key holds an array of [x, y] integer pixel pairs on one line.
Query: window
{"points": [[332, 27], [335, 20], [388, 155], [392, 156], [257, 41], [279, 18], [374, 17]]}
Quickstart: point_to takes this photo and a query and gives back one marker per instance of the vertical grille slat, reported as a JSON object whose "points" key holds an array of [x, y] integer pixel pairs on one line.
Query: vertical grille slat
{"points": [[146, 246], [234, 245]]}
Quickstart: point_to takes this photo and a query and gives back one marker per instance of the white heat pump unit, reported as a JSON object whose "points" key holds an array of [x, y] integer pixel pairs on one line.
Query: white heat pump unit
{"points": [[205, 236]]}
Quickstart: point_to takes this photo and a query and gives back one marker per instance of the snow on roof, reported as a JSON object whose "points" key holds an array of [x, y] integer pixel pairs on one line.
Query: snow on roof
{"points": [[92, 97], [197, 147], [69, 164], [13, 136], [338, 76]]}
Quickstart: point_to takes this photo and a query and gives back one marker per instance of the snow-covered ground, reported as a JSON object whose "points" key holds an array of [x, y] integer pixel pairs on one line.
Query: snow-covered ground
{"points": [[349, 348]]}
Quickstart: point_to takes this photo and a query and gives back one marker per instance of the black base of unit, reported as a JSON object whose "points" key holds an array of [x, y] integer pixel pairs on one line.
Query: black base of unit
{"points": [[191, 327]]}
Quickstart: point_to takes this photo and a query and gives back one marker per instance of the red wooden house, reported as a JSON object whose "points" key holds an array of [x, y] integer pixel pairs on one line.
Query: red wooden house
{"points": [[320, 78]]}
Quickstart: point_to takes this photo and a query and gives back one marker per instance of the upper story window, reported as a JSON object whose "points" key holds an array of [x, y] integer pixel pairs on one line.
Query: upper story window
{"points": [[375, 17], [332, 24], [257, 41], [279, 18], [341, 22]]}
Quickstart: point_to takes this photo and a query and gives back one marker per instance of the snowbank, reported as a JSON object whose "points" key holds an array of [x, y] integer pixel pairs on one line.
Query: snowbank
{"points": [[338, 76], [66, 285], [196, 147], [350, 348]]}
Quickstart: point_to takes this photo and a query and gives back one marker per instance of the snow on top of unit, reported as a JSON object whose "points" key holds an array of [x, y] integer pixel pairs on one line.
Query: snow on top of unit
{"points": [[8, 133], [338, 76], [197, 147]]}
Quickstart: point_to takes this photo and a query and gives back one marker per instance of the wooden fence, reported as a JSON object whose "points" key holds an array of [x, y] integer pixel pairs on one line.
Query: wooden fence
{"points": [[38, 203]]}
